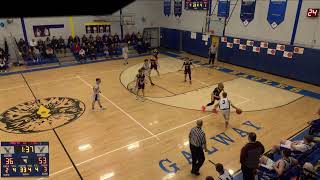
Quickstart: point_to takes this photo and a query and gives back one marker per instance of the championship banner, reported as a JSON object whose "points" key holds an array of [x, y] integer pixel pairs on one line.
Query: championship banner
{"points": [[256, 49], [250, 43], [44, 30], [229, 45], [223, 39], [287, 54], [264, 44], [271, 51], [298, 50], [247, 11], [167, 7], [178, 7], [223, 8], [236, 41], [276, 12], [242, 47]]}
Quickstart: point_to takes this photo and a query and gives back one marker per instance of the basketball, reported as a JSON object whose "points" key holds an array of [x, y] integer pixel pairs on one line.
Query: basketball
{"points": [[238, 111]]}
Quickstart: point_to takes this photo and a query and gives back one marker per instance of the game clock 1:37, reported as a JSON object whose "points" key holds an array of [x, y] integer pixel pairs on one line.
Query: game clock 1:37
{"points": [[24, 159], [196, 4]]}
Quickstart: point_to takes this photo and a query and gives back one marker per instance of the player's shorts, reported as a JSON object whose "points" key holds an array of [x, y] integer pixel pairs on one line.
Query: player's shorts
{"points": [[187, 71], [125, 56], [96, 97], [140, 86], [146, 72], [226, 114], [154, 66]]}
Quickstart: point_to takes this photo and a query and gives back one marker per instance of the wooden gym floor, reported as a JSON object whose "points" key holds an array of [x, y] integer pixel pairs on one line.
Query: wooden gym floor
{"points": [[142, 140]]}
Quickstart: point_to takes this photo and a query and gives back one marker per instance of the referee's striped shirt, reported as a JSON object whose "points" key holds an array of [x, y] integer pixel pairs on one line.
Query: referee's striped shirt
{"points": [[197, 137]]}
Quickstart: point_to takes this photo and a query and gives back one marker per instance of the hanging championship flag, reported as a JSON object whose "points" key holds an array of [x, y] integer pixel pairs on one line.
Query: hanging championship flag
{"points": [[249, 43], [247, 11], [236, 41], [223, 39], [178, 7], [298, 50], [276, 12], [271, 51], [256, 49], [242, 47], [264, 45], [167, 7], [287, 54], [229, 45], [223, 8], [280, 47]]}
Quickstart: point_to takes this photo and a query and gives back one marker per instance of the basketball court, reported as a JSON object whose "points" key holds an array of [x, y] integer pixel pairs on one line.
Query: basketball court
{"points": [[139, 140]]}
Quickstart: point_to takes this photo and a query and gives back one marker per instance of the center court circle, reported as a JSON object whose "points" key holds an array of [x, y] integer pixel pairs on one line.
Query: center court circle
{"points": [[44, 115]]}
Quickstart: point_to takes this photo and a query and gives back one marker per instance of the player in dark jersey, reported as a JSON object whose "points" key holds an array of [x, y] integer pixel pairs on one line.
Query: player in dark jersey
{"points": [[187, 69], [156, 53], [140, 82], [214, 96], [154, 64]]}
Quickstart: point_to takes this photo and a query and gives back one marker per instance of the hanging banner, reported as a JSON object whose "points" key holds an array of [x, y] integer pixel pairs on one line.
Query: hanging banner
{"points": [[167, 7], [177, 7], [276, 12], [223, 8], [248, 8]]}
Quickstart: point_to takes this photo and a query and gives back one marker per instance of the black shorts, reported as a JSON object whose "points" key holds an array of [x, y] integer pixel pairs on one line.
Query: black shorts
{"points": [[140, 86], [187, 71], [154, 66], [96, 97]]}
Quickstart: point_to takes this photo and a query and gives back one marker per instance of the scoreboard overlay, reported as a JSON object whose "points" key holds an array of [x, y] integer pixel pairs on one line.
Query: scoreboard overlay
{"points": [[24, 159]]}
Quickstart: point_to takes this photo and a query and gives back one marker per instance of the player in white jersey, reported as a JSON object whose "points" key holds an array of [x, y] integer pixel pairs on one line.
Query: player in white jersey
{"points": [[223, 173], [125, 52], [96, 94], [224, 106]]}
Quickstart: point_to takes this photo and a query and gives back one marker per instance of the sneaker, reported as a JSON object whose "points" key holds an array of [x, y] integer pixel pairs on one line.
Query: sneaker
{"points": [[152, 84], [203, 108]]}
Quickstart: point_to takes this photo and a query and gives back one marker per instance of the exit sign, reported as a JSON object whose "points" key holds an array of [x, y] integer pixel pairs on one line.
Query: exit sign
{"points": [[313, 12]]}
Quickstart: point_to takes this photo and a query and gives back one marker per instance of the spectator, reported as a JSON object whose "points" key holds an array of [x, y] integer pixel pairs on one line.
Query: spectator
{"points": [[21, 43], [3, 65], [300, 145], [82, 55], [198, 143], [282, 165], [133, 38], [76, 48], [62, 45], [54, 43], [36, 55], [127, 38], [33, 44], [47, 42], [223, 173], [249, 157], [70, 41], [116, 40], [84, 39], [92, 52], [209, 178], [76, 39], [91, 39], [49, 52], [309, 172]]}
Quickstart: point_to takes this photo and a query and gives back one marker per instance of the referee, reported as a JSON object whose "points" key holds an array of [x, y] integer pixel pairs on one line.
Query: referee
{"points": [[197, 140]]}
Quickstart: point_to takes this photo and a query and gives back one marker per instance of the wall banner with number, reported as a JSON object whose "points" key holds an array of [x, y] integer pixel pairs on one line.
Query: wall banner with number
{"points": [[223, 8], [167, 7], [276, 12], [248, 8], [178, 7]]}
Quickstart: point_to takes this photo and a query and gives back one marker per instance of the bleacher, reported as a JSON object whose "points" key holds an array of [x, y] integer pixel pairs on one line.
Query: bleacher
{"points": [[296, 172]]}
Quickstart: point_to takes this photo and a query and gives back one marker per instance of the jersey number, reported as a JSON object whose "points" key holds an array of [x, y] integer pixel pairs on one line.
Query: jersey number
{"points": [[223, 102]]}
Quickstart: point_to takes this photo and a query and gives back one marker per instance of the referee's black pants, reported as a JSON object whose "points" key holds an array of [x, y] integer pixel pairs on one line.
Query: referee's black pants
{"points": [[197, 158], [247, 173]]}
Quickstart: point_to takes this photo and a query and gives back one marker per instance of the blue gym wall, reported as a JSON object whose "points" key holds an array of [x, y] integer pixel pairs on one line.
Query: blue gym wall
{"points": [[171, 38]]}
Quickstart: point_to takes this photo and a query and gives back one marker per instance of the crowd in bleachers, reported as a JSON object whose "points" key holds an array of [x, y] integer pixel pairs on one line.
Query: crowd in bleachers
{"points": [[83, 48]]}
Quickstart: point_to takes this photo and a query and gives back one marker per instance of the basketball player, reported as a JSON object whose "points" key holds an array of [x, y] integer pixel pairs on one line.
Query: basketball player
{"points": [[96, 94], [154, 64], [140, 78], [156, 53], [224, 105], [147, 70], [187, 69], [214, 96]]}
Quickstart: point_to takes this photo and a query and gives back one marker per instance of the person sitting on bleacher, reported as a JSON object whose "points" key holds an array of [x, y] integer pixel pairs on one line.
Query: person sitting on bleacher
{"points": [[3, 65], [223, 173], [76, 39], [82, 55], [70, 42], [84, 39], [309, 172], [54, 44], [47, 42], [92, 51], [91, 39], [280, 166], [49, 52], [62, 45], [299, 145]]}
